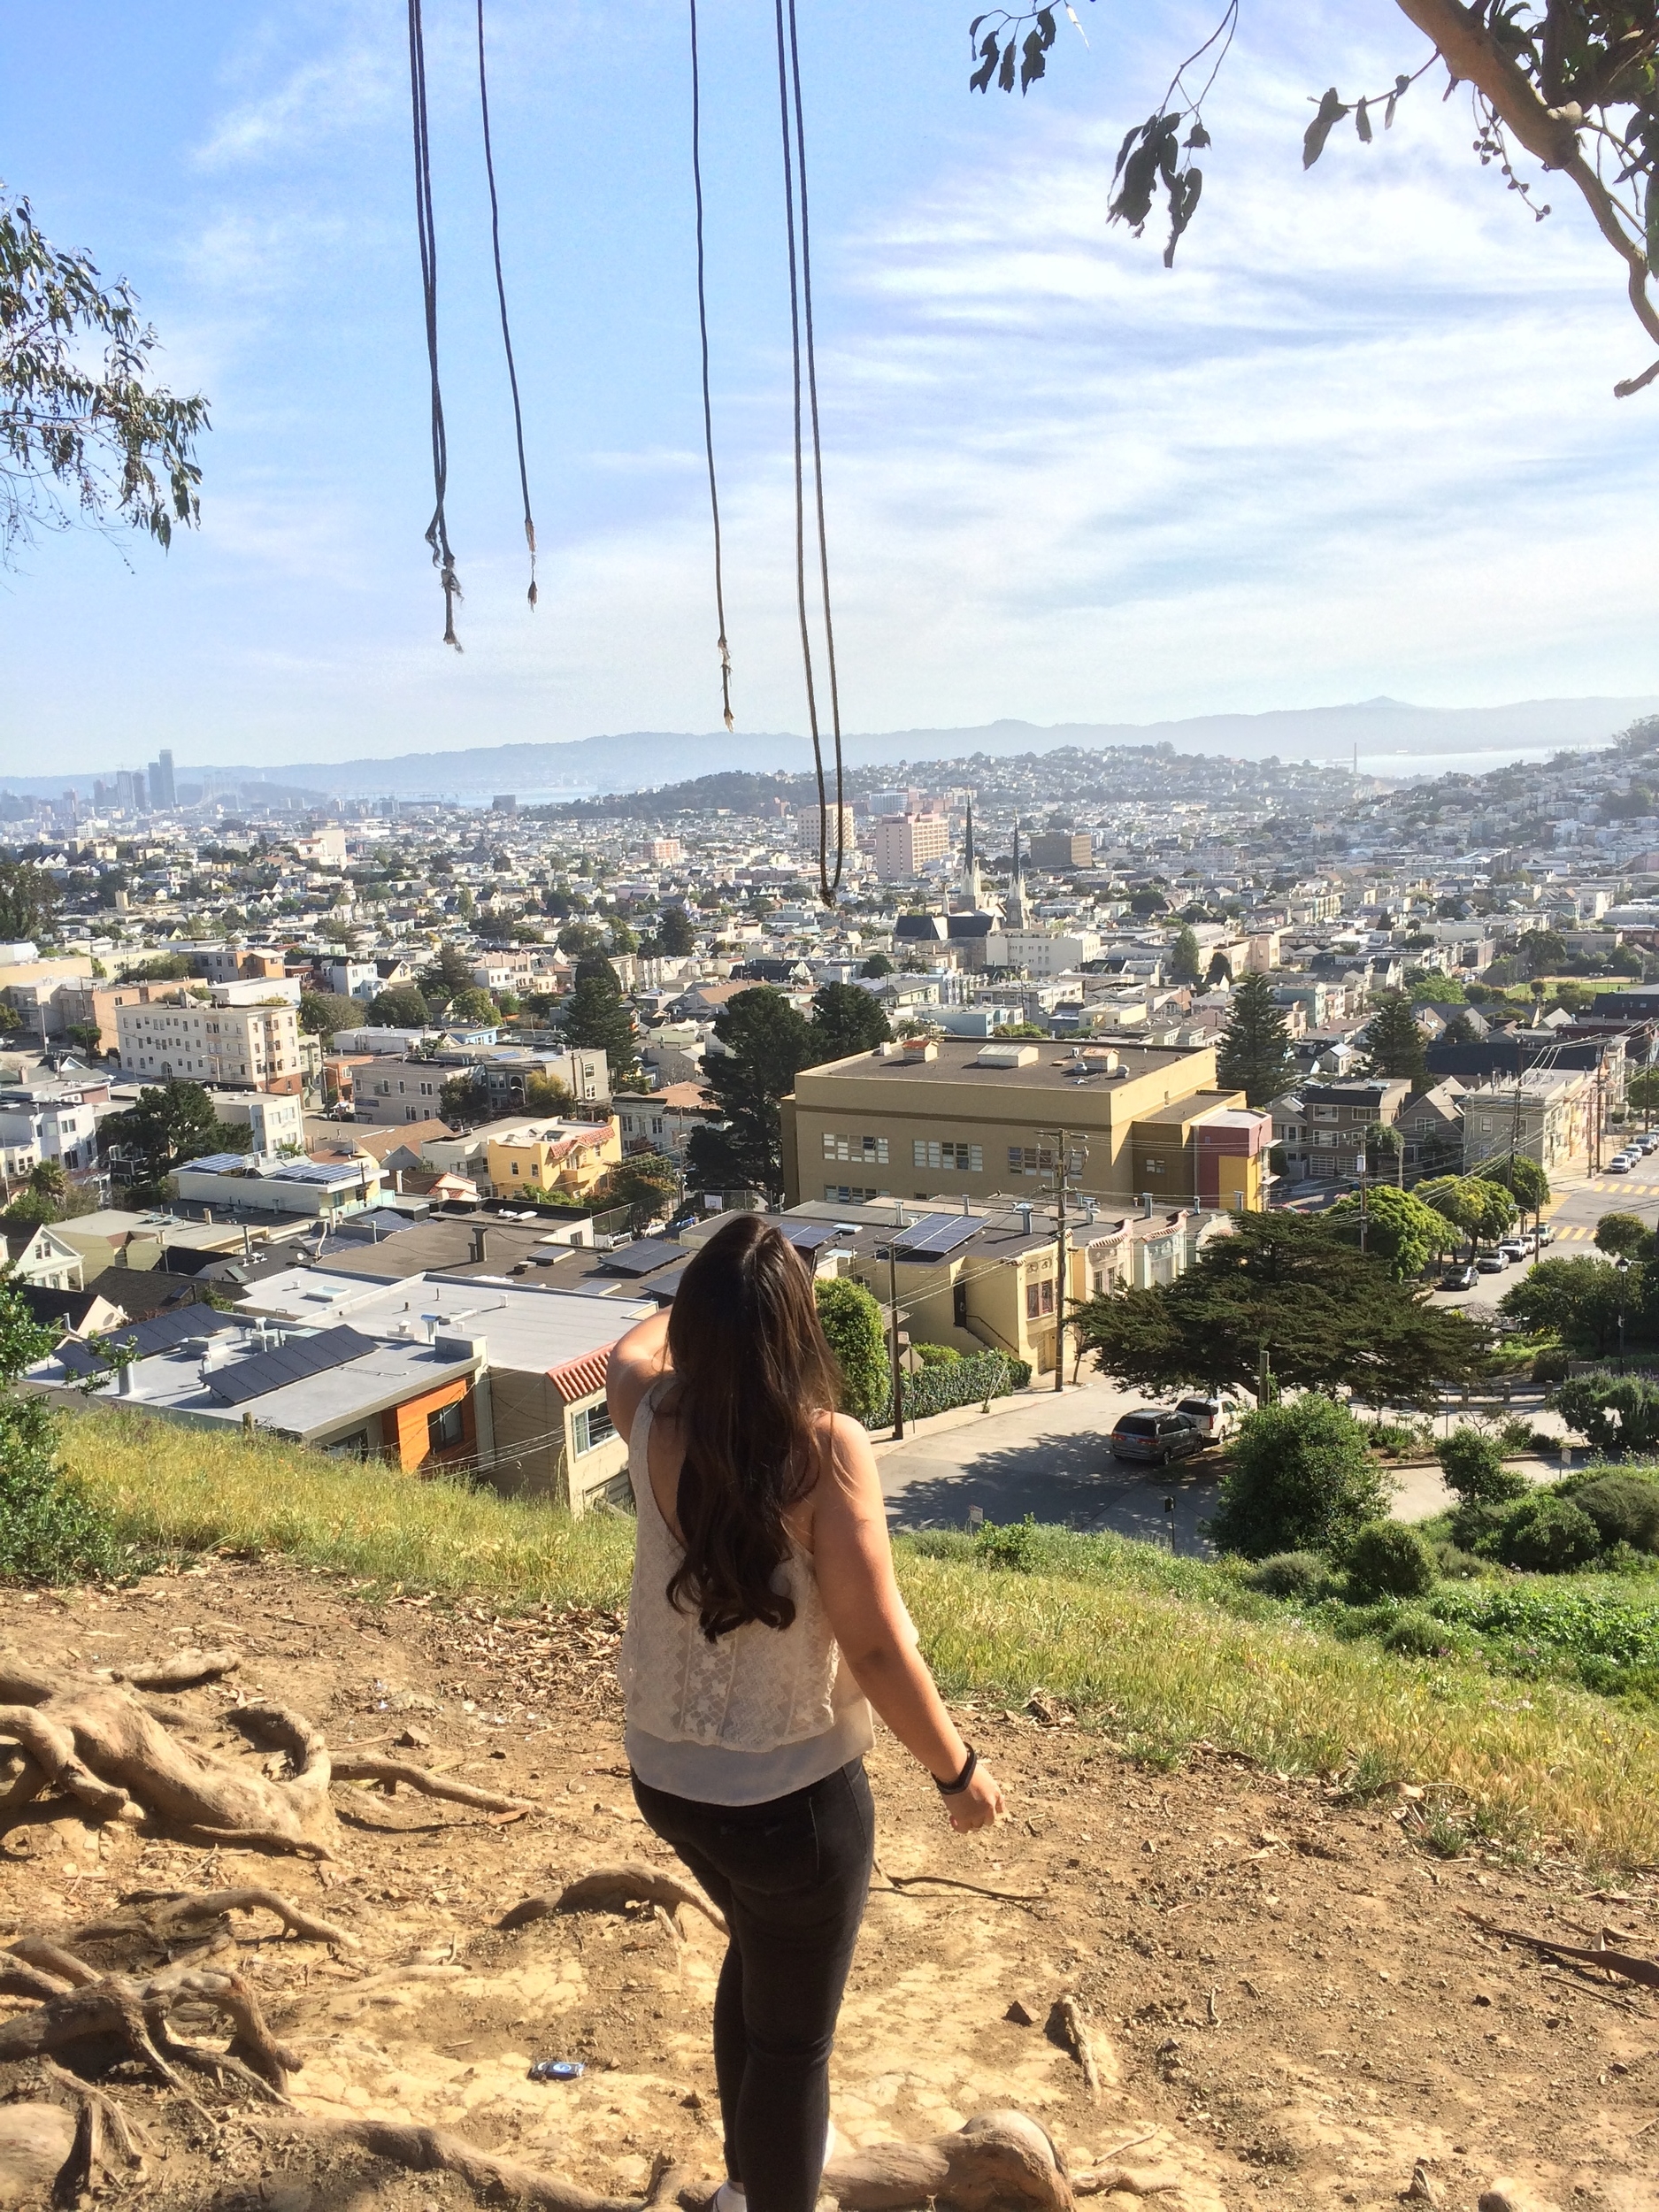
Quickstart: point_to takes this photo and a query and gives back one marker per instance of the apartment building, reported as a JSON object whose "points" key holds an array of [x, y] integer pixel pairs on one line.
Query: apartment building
{"points": [[173, 1037], [1041, 952], [906, 843], [961, 1119], [1059, 851], [47, 1121], [571, 1157], [806, 829], [1322, 1125], [1548, 1114]]}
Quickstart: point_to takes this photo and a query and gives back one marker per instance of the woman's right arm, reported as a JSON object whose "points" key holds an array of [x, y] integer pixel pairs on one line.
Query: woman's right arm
{"points": [[635, 1362], [853, 1560]]}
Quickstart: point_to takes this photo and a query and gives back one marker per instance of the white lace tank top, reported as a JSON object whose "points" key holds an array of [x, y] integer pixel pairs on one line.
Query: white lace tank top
{"points": [[750, 1716]]}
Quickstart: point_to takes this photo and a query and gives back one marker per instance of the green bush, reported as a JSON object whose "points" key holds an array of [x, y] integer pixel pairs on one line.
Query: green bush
{"points": [[960, 1382], [1388, 1560], [852, 1320], [1300, 1479], [936, 1355], [1290, 1574], [1472, 1464], [1013, 1546], [1624, 1508], [49, 1531], [1415, 1635], [1400, 1439], [1547, 1535], [1513, 1437], [1616, 1414], [1549, 1368], [1477, 1528], [1456, 1565]]}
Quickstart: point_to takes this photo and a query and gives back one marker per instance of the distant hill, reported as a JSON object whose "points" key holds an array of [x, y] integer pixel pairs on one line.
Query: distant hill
{"points": [[1413, 739]]}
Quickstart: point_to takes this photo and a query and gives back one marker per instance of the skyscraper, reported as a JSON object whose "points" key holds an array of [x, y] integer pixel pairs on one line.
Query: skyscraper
{"points": [[162, 795]]}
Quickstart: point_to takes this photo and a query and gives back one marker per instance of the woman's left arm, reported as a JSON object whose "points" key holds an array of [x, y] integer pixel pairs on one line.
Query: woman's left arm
{"points": [[635, 1362]]}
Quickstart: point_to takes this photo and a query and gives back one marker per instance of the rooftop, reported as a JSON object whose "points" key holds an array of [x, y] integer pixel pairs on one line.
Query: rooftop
{"points": [[958, 1060]]}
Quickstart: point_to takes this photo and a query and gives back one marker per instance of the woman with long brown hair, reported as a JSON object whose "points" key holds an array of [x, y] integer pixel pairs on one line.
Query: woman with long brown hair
{"points": [[763, 1625]]}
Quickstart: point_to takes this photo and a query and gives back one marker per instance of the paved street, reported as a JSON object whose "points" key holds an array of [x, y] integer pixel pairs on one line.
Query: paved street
{"points": [[1048, 1456]]}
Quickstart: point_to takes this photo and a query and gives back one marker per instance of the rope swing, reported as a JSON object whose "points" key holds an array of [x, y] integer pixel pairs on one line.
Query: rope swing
{"points": [[501, 294], [800, 295], [708, 404], [437, 532]]}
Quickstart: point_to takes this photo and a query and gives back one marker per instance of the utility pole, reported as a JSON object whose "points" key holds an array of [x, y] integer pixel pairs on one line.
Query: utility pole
{"points": [[1062, 1166], [893, 1311]]}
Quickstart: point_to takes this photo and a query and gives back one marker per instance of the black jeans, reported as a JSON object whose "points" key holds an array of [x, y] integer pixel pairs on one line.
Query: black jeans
{"points": [[791, 1877]]}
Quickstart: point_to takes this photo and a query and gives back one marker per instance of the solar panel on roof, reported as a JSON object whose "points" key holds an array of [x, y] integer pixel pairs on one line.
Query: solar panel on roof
{"points": [[300, 1357], [641, 1257], [217, 1162], [316, 1172], [936, 1235], [159, 1333], [666, 1284], [810, 1236]]}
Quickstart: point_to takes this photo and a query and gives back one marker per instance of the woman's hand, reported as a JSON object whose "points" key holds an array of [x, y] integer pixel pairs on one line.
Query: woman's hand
{"points": [[979, 1805]]}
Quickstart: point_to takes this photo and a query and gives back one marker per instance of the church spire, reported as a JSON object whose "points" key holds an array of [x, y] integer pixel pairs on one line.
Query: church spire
{"points": [[972, 887], [1014, 915]]}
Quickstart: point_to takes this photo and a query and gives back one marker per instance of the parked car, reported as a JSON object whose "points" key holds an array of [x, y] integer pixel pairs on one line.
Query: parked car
{"points": [[1513, 1248], [1156, 1433], [1545, 1232], [1619, 1164], [1212, 1418], [1491, 1263], [1461, 1277]]}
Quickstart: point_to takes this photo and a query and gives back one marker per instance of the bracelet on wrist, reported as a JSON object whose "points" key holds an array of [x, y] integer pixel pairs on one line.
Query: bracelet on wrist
{"points": [[955, 1788]]}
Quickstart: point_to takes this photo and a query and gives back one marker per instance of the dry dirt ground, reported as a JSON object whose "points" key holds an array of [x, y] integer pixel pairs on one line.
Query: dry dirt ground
{"points": [[1289, 2003]]}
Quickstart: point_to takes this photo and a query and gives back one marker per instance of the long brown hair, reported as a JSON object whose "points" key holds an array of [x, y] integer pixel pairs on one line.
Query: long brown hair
{"points": [[752, 1370]]}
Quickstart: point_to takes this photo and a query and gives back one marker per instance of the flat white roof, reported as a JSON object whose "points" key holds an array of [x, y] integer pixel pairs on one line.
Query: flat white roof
{"points": [[530, 1331]]}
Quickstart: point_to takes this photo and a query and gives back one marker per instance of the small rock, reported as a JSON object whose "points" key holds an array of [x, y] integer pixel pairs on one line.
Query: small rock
{"points": [[1021, 2014], [35, 2140], [1481, 1997], [1509, 2196], [414, 1740], [1421, 2189]]}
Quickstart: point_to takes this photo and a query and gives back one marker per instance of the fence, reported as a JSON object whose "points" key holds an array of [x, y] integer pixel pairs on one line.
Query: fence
{"points": [[962, 1382]]}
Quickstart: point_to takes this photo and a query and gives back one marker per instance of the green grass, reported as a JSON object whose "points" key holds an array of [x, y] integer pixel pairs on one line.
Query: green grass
{"points": [[175, 1491], [1161, 1655]]}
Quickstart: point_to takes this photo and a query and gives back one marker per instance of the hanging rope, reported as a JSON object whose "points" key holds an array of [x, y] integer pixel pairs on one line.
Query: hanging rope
{"points": [[708, 406], [800, 283], [438, 528], [501, 294]]}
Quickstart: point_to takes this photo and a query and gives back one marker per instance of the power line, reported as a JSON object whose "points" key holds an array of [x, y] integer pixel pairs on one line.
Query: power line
{"points": [[437, 532], [501, 294], [800, 286], [708, 404]]}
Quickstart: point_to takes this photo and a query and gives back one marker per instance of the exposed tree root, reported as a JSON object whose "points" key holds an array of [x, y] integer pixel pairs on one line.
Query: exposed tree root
{"points": [[132, 2011], [51, 1958], [434, 2150], [104, 2134], [18, 1980], [998, 2158], [97, 1742], [392, 1771], [1634, 1970], [183, 1671], [607, 1888], [1066, 2023], [171, 1912]]}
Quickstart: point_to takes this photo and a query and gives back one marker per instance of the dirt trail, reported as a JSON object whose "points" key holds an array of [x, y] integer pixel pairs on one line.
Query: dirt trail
{"points": [[1286, 2001]]}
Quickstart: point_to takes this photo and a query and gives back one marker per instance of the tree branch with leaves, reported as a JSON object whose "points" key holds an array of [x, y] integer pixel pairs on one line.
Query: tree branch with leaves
{"points": [[1572, 86], [85, 433]]}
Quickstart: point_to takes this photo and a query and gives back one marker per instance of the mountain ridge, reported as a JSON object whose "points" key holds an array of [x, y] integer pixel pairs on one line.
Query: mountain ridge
{"points": [[632, 760]]}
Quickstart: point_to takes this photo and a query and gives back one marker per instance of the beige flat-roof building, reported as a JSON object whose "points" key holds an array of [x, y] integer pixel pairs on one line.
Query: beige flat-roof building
{"points": [[958, 1118]]}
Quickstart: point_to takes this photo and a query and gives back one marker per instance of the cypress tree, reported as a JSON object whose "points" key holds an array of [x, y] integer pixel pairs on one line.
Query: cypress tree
{"points": [[1256, 1056]]}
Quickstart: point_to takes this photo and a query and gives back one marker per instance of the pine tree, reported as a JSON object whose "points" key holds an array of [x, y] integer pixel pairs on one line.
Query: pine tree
{"points": [[1184, 958], [1394, 1043], [767, 1045], [1256, 1056], [597, 1020]]}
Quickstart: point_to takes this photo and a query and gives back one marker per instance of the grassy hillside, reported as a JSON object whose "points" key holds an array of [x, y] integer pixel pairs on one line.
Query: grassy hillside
{"points": [[1160, 1654]]}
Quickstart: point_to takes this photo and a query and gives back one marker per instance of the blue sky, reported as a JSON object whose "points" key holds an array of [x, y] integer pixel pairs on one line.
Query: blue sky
{"points": [[1359, 440]]}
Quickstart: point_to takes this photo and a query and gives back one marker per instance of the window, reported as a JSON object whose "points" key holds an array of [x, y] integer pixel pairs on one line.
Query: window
{"points": [[959, 1305], [444, 1428], [1325, 1113], [871, 1150], [1039, 1300], [591, 1427], [931, 1152], [851, 1194]]}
